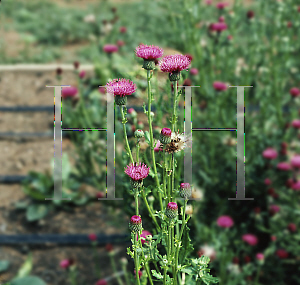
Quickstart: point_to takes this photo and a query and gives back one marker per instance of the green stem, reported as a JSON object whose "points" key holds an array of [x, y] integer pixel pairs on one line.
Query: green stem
{"points": [[173, 176], [125, 134], [174, 107], [150, 212], [136, 260], [115, 269], [136, 198], [137, 151], [257, 276], [164, 173], [151, 137]]}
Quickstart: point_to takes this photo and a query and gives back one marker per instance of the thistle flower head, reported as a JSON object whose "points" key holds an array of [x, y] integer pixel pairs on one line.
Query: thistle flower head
{"points": [[135, 224], [218, 27], [121, 87], [69, 92], [250, 239], [270, 153], [219, 86], [295, 92], [137, 171], [109, 48], [174, 63], [295, 161], [225, 222], [148, 52], [185, 190], [172, 210]]}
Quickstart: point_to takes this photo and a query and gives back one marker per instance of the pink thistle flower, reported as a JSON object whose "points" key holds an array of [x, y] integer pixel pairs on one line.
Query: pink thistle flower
{"points": [[194, 71], [218, 27], [222, 5], [250, 239], [268, 181], [270, 153], [283, 166], [295, 161], [225, 222], [296, 124], [274, 209], [260, 256], [123, 30], [221, 19], [135, 224], [295, 92], [92, 237], [157, 147], [140, 273], [102, 282], [109, 48], [292, 227], [273, 238], [144, 234], [120, 43], [65, 263], [282, 254], [69, 92], [172, 210], [219, 86], [296, 185], [82, 74], [208, 2], [174, 63], [121, 87], [137, 172], [187, 82], [148, 52], [100, 195]]}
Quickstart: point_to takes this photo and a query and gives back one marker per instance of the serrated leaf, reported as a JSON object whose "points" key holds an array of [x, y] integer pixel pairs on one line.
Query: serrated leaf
{"points": [[187, 246], [156, 274], [207, 279]]}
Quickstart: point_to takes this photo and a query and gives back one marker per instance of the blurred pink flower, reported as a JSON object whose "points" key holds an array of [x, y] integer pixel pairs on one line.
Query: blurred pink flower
{"points": [[295, 92], [120, 43], [282, 254], [218, 27], [123, 29], [283, 166], [260, 256], [208, 251], [157, 147], [296, 124], [250, 239], [137, 171], [194, 71], [148, 52], [187, 82], [295, 161], [268, 181], [221, 19], [92, 237], [189, 56], [121, 87], [219, 86], [208, 2], [65, 263], [250, 14], [110, 48], [269, 153], [102, 282], [174, 63], [140, 273], [222, 5], [296, 185], [273, 209], [82, 74], [102, 90], [292, 227], [225, 222], [131, 111], [273, 238], [143, 234], [69, 92]]}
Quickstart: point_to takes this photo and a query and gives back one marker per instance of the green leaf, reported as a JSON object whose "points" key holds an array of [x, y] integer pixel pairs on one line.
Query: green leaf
{"points": [[187, 246], [187, 270], [207, 279], [4, 264], [147, 137], [21, 204], [28, 280], [66, 167], [159, 165], [36, 212], [25, 268], [157, 275]]}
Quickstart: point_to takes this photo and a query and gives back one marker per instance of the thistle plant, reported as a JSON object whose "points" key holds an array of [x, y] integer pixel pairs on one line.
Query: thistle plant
{"points": [[165, 255]]}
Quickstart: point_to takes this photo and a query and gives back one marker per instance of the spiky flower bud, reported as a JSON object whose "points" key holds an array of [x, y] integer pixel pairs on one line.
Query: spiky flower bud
{"points": [[165, 136], [135, 224], [139, 134], [185, 190], [172, 210]]}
